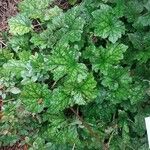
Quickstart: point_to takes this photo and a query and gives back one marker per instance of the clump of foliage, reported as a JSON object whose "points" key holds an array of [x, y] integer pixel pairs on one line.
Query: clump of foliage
{"points": [[76, 78]]}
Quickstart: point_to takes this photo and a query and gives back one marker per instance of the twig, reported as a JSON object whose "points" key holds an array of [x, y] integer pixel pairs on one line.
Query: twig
{"points": [[111, 136], [53, 85], [73, 146], [3, 43], [93, 134], [8, 100]]}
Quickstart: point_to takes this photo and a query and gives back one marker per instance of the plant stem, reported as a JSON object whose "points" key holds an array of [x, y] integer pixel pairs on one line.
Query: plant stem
{"points": [[93, 134]]}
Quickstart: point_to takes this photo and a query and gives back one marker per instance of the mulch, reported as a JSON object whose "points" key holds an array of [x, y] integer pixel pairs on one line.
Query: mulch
{"points": [[17, 146], [8, 8]]}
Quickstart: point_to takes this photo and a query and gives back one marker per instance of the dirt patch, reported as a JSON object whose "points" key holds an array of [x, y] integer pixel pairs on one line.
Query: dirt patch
{"points": [[8, 8], [17, 146]]}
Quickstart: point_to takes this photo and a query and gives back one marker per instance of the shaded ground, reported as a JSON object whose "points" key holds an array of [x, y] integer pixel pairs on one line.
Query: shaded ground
{"points": [[15, 147], [8, 8]]}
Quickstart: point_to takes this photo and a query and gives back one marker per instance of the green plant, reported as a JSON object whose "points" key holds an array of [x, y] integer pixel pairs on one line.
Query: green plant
{"points": [[76, 78]]}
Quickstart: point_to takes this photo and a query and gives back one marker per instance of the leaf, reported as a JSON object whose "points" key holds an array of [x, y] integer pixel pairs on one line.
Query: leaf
{"points": [[73, 93], [35, 97], [104, 58], [147, 5], [143, 56], [15, 90], [144, 20], [83, 92], [117, 77], [19, 43], [136, 39], [133, 9], [24, 55], [64, 61], [118, 96], [63, 29], [44, 40], [15, 67], [34, 8], [29, 68], [70, 26], [19, 25], [137, 93], [139, 125], [59, 101], [53, 12], [125, 134], [119, 9], [107, 25], [5, 55], [119, 82], [72, 2], [62, 131]]}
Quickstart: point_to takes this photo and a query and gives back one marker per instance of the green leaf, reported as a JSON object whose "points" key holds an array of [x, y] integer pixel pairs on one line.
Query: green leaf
{"points": [[143, 56], [30, 67], [35, 97], [117, 77], [144, 20], [15, 90], [5, 55], [34, 8], [136, 39], [73, 25], [107, 25], [137, 93], [72, 2], [104, 58], [125, 134], [64, 61], [63, 29], [44, 40], [19, 25], [62, 131], [15, 67], [133, 9], [119, 9], [118, 96], [24, 55], [119, 82], [53, 12], [139, 125], [59, 101], [147, 5], [19, 43], [83, 92], [73, 93]]}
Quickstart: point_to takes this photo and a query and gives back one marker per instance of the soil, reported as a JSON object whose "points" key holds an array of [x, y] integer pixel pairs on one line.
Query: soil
{"points": [[8, 8], [17, 146]]}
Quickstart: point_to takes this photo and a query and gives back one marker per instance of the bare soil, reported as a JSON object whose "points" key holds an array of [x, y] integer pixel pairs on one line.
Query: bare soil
{"points": [[8, 8]]}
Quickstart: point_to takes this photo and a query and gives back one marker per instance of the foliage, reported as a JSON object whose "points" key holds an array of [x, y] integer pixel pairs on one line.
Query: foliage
{"points": [[76, 78]]}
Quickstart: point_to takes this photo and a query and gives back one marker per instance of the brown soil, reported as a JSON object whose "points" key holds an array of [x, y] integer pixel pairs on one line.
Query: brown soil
{"points": [[15, 147], [8, 8]]}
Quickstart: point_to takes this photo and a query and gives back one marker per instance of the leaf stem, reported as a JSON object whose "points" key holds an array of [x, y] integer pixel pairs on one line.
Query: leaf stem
{"points": [[93, 134]]}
